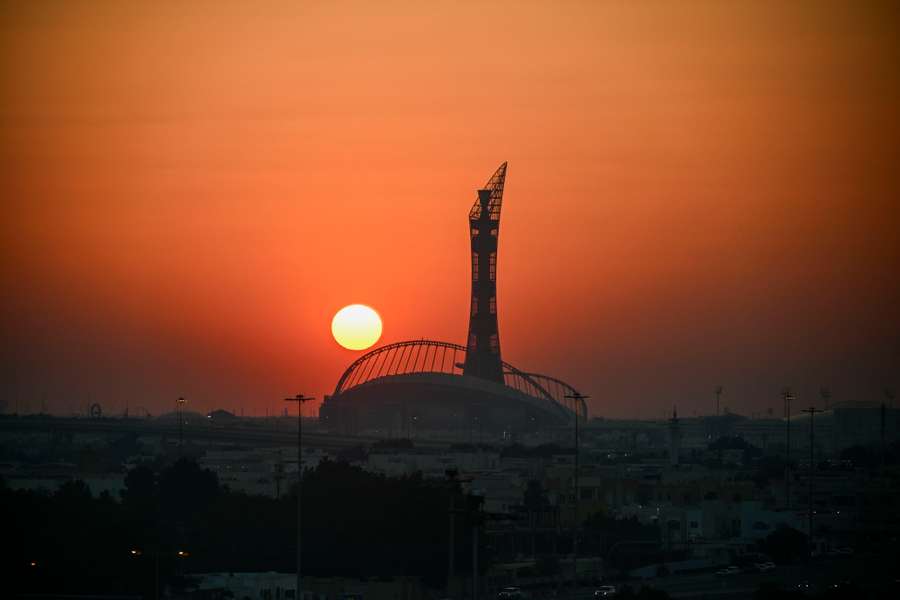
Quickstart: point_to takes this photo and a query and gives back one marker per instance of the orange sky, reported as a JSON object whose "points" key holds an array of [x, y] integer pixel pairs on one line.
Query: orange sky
{"points": [[698, 193]]}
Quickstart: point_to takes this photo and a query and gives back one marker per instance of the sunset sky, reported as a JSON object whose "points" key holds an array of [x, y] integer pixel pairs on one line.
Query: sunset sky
{"points": [[699, 193]]}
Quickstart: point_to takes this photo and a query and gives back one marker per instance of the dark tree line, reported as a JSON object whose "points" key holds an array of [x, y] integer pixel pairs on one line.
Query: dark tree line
{"points": [[180, 520]]}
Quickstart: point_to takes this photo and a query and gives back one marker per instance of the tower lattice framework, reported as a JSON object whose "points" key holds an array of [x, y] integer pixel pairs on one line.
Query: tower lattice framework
{"points": [[483, 342]]}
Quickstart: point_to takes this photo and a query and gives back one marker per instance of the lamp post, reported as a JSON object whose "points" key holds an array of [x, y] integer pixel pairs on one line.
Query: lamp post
{"points": [[180, 406], [137, 553], [578, 402], [812, 410], [788, 395], [299, 399]]}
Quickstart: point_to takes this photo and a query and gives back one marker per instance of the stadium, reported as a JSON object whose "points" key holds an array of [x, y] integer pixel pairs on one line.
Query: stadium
{"points": [[428, 385]]}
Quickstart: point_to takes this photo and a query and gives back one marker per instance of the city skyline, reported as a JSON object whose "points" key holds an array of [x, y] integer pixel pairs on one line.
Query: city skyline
{"points": [[704, 194]]}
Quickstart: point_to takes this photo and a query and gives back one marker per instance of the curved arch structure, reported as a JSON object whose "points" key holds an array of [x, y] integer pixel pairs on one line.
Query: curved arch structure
{"points": [[399, 382]]}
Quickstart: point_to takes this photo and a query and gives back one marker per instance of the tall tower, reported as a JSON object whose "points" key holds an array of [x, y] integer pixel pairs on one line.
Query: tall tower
{"points": [[674, 438], [483, 344]]}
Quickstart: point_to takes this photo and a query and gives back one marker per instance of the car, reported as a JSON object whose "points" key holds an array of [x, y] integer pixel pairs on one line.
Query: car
{"points": [[732, 570], [605, 591], [510, 593]]}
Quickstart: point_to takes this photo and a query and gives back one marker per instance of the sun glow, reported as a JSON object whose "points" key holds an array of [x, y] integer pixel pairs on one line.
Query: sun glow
{"points": [[356, 327]]}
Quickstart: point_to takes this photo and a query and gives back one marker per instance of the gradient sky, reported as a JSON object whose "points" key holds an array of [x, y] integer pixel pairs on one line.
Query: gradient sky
{"points": [[699, 193]]}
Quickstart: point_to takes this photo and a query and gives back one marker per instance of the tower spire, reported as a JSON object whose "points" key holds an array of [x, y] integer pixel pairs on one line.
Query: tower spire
{"points": [[483, 342]]}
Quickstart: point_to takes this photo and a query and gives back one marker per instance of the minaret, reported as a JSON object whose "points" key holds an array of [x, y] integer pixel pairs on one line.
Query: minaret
{"points": [[674, 438], [483, 343]]}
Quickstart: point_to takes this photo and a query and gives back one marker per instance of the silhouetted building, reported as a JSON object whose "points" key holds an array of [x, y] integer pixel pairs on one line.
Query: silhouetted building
{"points": [[403, 388], [674, 438]]}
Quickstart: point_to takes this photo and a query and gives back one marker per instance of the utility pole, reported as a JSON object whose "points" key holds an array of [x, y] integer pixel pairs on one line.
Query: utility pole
{"points": [[719, 389], [279, 475], [788, 395], [180, 405], [578, 402], [812, 410], [299, 399], [473, 511]]}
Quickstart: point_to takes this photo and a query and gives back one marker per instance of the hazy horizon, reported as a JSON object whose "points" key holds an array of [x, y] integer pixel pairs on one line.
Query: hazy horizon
{"points": [[698, 195]]}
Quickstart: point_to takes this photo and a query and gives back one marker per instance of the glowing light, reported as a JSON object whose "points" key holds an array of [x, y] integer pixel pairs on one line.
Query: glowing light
{"points": [[356, 327]]}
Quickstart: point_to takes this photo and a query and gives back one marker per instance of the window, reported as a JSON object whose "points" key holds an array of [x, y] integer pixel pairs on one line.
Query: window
{"points": [[474, 232], [472, 341], [474, 266], [495, 344], [474, 306], [493, 305], [494, 231], [493, 266]]}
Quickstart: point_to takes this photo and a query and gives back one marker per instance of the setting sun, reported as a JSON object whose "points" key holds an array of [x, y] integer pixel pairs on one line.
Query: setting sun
{"points": [[356, 327]]}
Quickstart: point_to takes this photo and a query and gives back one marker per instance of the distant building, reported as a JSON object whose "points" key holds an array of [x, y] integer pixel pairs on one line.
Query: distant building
{"points": [[222, 417], [674, 438]]}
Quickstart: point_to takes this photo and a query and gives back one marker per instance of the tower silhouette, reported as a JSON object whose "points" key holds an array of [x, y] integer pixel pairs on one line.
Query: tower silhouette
{"points": [[483, 344]]}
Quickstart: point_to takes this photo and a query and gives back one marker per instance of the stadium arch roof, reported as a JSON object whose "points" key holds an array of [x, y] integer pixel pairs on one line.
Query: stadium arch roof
{"points": [[416, 357]]}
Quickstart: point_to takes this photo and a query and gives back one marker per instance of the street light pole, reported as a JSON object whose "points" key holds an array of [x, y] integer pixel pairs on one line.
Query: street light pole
{"points": [[812, 410], [181, 402], [788, 396], [578, 401], [719, 389], [299, 399]]}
